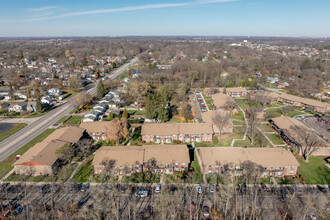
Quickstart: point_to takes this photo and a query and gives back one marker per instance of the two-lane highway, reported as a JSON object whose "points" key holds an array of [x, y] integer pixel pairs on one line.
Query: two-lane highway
{"points": [[19, 139]]}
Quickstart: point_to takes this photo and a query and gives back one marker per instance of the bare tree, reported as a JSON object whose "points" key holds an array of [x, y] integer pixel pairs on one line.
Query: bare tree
{"points": [[221, 120], [252, 123], [308, 142]]}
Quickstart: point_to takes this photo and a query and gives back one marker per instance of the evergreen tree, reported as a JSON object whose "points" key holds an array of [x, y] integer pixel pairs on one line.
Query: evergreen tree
{"points": [[38, 105], [125, 114], [100, 90]]}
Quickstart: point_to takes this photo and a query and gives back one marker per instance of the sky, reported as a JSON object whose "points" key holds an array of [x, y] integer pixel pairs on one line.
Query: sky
{"points": [[285, 18]]}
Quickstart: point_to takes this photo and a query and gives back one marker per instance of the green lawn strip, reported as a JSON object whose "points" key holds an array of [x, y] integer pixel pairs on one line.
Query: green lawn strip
{"points": [[18, 126], [238, 116], [315, 171], [275, 138], [62, 119], [265, 127], [242, 143], [19, 178], [174, 120], [195, 166], [295, 113], [74, 120], [273, 112], [238, 122], [6, 165], [136, 112], [238, 134], [84, 171], [242, 103]]}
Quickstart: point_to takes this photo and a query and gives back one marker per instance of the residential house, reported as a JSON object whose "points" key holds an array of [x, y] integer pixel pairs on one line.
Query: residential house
{"points": [[136, 159], [274, 161], [223, 101], [46, 100], [226, 124], [19, 107], [234, 91], [42, 158], [90, 118], [55, 92], [162, 133], [97, 129], [31, 106], [286, 127]]}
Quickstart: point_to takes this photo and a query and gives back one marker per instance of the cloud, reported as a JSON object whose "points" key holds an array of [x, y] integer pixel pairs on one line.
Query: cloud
{"points": [[140, 7], [42, 8]]}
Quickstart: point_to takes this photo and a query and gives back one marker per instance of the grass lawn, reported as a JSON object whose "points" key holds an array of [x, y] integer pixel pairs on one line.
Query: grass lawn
{"points": [[275, 138], [62, 119], [74, 120], [266, 127], [5, 166], [196, 168], [208, 102], [242, 143], [136, 112], [242, 103], [137, 138], [19, 178], [238, 134], [175, 120], [238, 122], [18, 126], [273, 112], [315, 171], [73, 111], [84, 171], [238, 116], [295, 113]]}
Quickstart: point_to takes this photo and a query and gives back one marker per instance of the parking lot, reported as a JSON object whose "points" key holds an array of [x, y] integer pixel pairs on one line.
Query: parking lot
{"points": [[125, 201], [312, 122]]}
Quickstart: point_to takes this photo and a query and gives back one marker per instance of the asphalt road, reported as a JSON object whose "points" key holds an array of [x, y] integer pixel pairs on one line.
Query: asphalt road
{"points": [[19, 139]]}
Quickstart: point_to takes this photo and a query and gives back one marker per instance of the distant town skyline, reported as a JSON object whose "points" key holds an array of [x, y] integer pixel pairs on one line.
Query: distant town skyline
{"points": [[281, 18]]}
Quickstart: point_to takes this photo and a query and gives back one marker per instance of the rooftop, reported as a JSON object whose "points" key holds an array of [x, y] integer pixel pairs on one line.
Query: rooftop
{"points": [[128, 155], [266, 157]]}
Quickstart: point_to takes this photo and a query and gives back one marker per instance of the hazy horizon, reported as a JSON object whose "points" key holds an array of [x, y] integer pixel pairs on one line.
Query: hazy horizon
{"points": [[282, 18]]}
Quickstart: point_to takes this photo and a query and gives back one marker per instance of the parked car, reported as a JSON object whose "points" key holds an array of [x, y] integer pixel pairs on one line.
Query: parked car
{"points": [[173, 188], [202, 103], [211, 187], [198, 188], [200, 100], [123, 188], [204, 109], [206, 211], [141, 193], [322, 188], [84, 187], [157, 188]]}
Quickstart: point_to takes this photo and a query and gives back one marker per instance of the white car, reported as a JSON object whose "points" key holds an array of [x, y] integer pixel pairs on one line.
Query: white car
{"points": [[141, 193], [157, 188]]}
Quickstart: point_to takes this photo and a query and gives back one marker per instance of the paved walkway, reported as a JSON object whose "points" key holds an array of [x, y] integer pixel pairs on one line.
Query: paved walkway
{"points": [[130, 138], [200, 164], [244, 136], [74, 172]]}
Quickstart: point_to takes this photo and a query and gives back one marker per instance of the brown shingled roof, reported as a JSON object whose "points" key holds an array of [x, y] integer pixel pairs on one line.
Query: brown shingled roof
{"points": [[45, 151], [266, 157], [176, 128], [95, 126], [220, 99], [128, 155]]}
